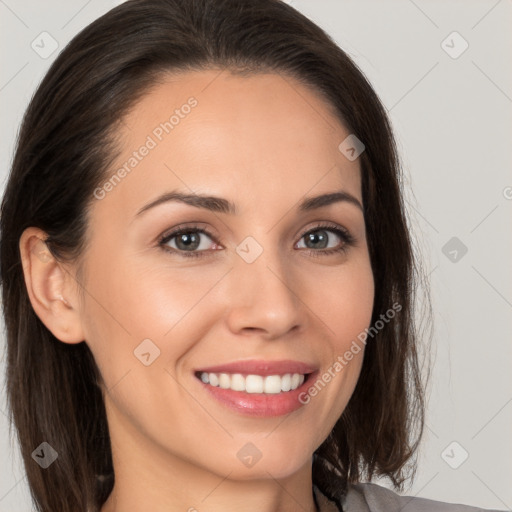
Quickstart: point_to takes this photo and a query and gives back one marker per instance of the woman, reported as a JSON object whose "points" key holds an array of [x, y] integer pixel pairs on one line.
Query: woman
{"points": [[207, 275]]}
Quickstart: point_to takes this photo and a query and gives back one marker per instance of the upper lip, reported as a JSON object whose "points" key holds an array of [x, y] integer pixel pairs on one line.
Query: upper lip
{"points": [[261, 367]]}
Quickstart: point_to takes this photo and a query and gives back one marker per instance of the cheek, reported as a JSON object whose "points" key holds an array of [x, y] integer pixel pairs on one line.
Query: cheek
{"points": [[129, 304], [343, 300]]}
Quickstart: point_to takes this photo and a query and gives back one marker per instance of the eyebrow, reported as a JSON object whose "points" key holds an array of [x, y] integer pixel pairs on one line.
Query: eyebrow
{"points": [[221, 205]]}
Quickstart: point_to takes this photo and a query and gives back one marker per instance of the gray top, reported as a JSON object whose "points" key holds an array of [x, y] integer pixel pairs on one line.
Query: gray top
{"points": [[368, 497]]}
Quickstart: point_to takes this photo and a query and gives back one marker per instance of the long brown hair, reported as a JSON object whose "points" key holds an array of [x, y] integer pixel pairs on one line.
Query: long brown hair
{"points": [[64, 149]]}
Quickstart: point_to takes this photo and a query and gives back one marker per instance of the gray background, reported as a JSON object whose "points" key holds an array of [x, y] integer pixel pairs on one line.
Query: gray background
{"points": [[452, 118]]}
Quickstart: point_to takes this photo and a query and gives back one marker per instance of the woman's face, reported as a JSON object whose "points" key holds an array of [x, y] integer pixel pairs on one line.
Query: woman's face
{"points": [[160, 308]]}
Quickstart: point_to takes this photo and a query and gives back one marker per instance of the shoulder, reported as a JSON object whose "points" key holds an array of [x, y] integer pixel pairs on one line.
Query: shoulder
{"points": [[369, 497]]}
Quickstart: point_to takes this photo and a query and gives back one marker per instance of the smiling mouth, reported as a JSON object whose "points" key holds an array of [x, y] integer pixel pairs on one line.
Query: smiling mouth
{"points": [[253, 383]]}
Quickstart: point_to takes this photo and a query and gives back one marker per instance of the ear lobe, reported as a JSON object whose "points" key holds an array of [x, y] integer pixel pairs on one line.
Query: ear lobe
{"points": [[51, 288]]}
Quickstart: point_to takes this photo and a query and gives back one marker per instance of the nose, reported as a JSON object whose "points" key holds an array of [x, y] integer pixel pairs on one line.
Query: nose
{"points": [[264, 297]]}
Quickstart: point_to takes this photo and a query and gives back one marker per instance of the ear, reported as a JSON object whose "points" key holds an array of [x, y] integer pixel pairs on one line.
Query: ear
{"points": [[51, 288]]}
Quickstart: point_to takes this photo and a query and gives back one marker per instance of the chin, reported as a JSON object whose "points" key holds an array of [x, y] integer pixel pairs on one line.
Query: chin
{"points": [[278, 464]]}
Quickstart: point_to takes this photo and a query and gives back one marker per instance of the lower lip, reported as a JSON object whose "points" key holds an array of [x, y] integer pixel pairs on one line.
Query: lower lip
{"points": [[261, 404]]}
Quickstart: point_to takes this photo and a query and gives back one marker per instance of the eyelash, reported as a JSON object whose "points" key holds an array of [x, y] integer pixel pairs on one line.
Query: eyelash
{"points": [[347, 240]]}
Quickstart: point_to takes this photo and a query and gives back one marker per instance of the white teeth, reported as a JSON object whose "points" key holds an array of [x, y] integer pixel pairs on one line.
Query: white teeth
{"points": [[254, 384], [270, 384], [224, 381], [237, 382], [286, 382]]}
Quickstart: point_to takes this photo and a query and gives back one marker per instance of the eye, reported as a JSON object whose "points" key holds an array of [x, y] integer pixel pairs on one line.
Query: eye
{"points": [[188, 241], [320, 240]]}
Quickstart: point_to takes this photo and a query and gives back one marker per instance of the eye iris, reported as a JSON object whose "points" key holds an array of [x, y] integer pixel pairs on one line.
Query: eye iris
{"points": [[190, 241], [317, 236]]}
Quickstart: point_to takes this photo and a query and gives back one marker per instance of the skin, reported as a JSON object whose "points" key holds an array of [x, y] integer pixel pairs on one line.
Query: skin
{"points": [[264, 142]]}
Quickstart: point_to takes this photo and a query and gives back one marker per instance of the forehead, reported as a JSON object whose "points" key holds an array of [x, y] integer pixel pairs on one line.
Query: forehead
{"points": [[259, 137]]}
